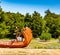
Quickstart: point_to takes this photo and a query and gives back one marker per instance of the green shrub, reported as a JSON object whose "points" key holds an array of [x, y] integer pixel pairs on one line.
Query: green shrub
{"points": [[59, 39], [45, 36]]}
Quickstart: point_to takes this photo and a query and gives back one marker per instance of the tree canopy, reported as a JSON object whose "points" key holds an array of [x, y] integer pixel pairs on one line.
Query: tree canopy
{"points": [[50, 23]]}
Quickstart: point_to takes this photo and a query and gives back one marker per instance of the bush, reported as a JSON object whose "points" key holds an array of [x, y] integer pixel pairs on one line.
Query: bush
{"points": [[59, 39], [45, 36]]}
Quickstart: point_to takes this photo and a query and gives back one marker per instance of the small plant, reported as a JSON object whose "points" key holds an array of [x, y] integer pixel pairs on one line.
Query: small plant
{"points": [[45, 36], [59, 39]]}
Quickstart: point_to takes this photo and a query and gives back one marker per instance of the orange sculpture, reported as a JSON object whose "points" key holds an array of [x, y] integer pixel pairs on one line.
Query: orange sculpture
{"points": [[27, 34]]}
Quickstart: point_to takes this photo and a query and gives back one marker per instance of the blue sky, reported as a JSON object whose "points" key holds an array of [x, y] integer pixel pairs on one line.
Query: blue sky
{"points": [[25, 6]]}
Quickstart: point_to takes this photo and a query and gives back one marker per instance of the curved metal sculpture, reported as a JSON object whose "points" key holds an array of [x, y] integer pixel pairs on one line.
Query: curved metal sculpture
{"points": [[27, 34]]}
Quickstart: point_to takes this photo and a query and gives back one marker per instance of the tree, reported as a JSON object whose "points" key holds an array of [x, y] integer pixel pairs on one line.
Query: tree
{"points": [[36, 24], [28, 20], [53, 23], [3, 28]]}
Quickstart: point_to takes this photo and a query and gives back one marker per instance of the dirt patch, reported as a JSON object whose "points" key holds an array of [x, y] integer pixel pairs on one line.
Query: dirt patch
{"points": [[21, 51]]}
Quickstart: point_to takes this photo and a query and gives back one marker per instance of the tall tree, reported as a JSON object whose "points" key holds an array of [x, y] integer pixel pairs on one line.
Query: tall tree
{"points": [[52, 21], [36, 24]]}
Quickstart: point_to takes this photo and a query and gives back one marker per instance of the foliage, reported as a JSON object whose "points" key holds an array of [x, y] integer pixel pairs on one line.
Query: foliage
{"points": [[36, 24], [45, 36], [50, 23], [8, 22], [53, 23], [59, 38]]}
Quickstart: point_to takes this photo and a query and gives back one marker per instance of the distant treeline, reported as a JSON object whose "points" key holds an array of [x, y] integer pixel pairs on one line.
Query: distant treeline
{"points": [[50, 23]]}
